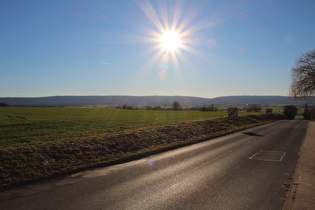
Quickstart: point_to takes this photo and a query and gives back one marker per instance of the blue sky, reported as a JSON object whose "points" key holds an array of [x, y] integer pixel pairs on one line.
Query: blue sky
{"points": [[112, 47]]}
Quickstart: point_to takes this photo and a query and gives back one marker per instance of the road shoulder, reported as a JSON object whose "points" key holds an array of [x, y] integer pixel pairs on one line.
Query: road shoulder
{"points": [[302, 189]]}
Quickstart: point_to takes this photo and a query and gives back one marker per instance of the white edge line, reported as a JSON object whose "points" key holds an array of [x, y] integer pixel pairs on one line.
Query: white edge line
{"points": [[269, 160], [282, 156], [254, 154]]}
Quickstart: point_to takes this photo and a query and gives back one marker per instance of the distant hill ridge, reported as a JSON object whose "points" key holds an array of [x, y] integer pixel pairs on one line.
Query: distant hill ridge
{"points": [[147, 100]]}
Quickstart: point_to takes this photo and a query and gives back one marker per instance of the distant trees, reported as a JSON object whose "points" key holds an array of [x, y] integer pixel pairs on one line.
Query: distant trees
{"points": [[253, 108], [157, 108], [210, 108], [176, 106], [3, 104], [303, 76], [127, 107]]}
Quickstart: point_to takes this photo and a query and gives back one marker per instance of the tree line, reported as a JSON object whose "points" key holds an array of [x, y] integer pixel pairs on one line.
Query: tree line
{"points": [[176, 106]]}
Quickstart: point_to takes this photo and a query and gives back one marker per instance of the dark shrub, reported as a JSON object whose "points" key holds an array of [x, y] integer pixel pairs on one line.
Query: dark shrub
{"points": [[3, 104], [290, 111]]}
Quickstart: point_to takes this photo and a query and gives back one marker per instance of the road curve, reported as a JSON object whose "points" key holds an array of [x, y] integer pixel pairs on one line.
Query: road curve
{"points": [[250, 169]]}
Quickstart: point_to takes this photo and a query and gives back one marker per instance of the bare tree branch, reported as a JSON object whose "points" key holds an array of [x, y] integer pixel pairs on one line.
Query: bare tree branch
{"points": [[303, 76]]}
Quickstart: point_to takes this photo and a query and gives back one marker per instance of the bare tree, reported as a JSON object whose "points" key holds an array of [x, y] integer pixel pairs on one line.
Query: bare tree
{"points": [[303, 76]]}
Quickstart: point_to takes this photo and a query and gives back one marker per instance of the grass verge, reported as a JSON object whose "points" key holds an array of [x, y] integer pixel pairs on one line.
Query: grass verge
{"points": [[24, 163]]}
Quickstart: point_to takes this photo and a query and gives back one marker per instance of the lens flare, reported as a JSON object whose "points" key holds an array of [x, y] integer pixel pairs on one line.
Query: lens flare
{"points": [[170, 40], [165, 58], [173, 35], [162, 74], [177, 32], [151, 163]]}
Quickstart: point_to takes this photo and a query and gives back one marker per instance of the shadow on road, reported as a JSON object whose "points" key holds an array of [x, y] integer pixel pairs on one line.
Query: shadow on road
{"points": [[252, 134]]}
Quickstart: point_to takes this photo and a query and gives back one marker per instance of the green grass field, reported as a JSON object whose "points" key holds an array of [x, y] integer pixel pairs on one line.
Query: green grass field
{"points": [[37, 143], [21, 125]]}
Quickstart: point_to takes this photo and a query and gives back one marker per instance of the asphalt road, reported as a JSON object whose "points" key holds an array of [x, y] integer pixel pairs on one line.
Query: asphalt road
{"points": [[250, 169]]}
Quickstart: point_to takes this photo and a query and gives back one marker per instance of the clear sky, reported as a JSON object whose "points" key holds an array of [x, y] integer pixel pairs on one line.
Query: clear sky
{"points": [[116, 47]]}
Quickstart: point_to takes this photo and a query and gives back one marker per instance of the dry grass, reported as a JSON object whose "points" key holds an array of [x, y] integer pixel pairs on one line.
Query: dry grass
{"points": [[30, 161]]}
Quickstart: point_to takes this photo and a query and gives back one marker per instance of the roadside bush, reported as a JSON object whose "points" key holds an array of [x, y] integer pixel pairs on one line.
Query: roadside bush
{"points": [[290, 111]]}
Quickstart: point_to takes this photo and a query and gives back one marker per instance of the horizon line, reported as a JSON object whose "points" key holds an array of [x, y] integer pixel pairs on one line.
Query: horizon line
{"points": [[125, 95]]}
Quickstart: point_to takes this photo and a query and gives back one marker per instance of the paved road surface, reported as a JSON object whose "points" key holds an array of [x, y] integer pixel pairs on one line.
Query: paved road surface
{"points": [[245, 170]]}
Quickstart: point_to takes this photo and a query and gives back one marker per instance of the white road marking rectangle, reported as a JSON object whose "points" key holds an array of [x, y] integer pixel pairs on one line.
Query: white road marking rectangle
{"points": [[268, 155]]}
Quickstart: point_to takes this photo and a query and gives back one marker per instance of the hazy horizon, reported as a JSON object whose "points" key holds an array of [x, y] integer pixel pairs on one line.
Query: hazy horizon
{"points": [[142, 96], [197, 48]]}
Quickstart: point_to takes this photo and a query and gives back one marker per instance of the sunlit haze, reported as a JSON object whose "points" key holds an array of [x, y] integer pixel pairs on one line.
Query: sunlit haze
{"points": [[170, 40], [152, 47]]}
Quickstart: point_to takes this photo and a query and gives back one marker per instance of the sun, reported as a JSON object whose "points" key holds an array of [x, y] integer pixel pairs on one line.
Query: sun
{"points": [[170, 40]]}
